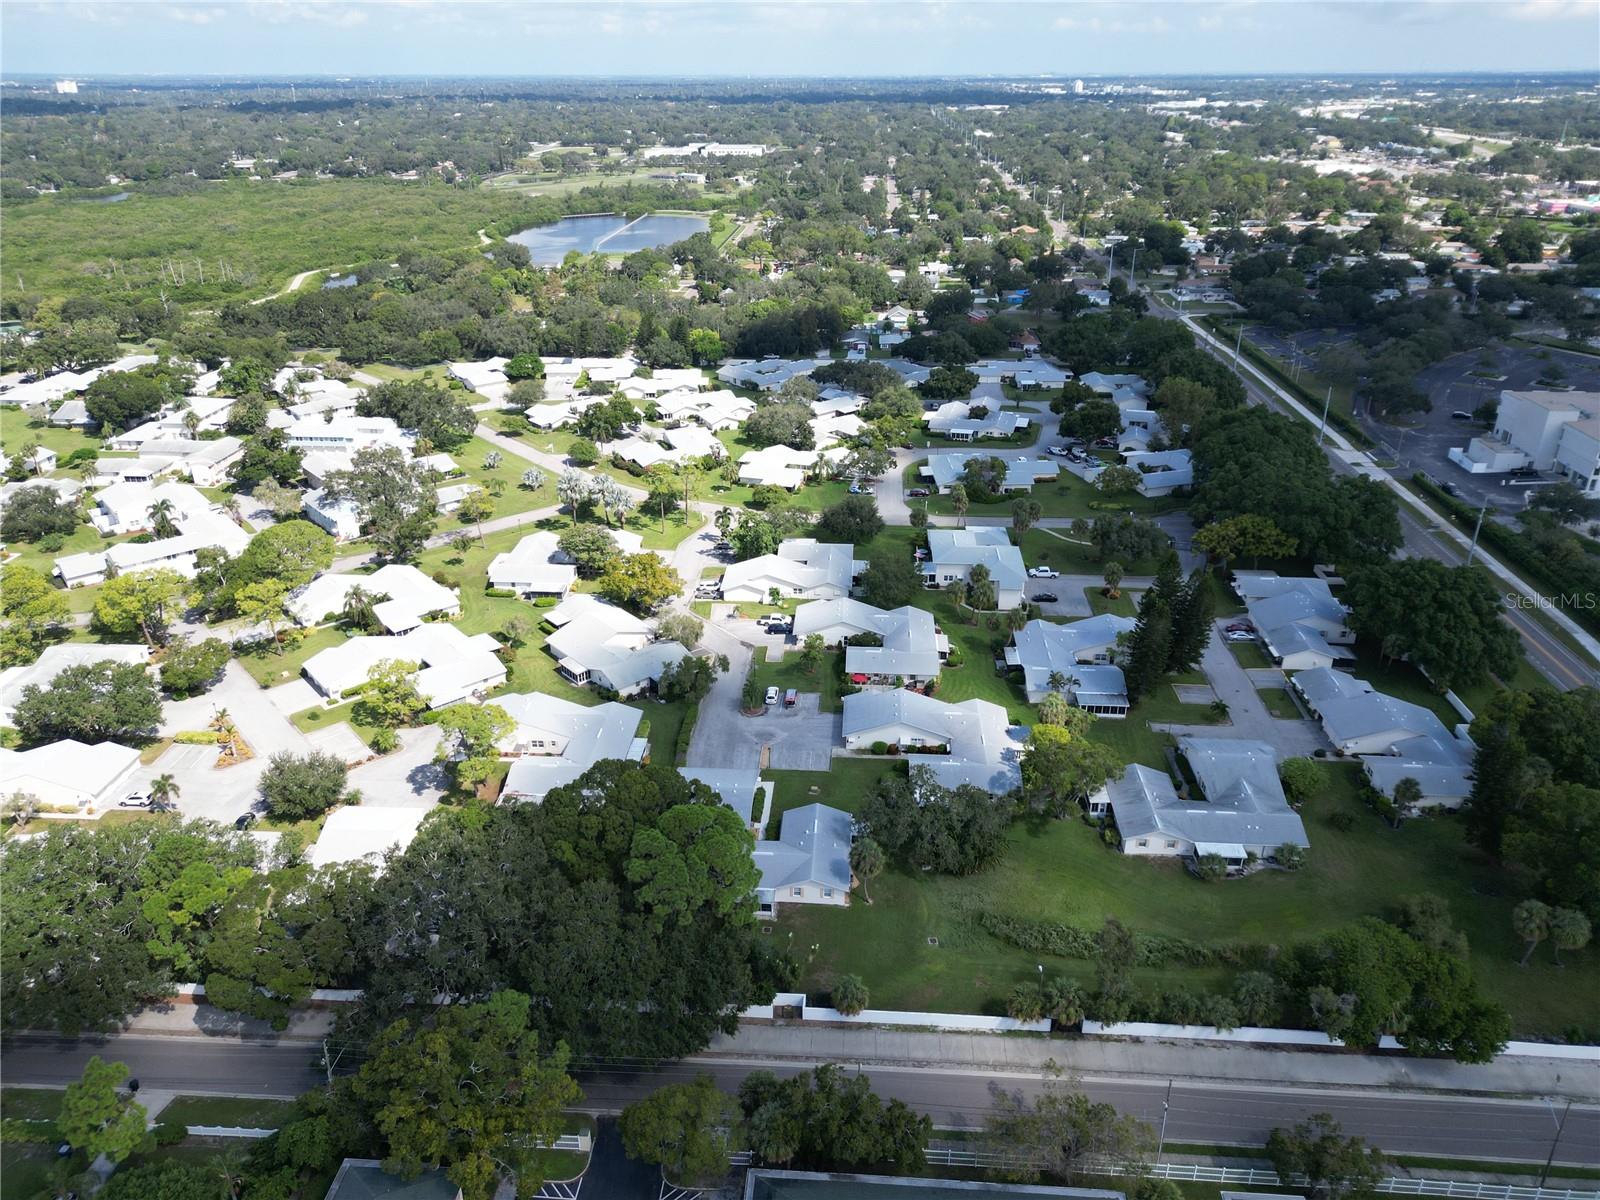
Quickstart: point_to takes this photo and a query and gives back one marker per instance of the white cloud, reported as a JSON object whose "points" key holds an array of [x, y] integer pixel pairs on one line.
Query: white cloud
{"points": [[1554, 10]]}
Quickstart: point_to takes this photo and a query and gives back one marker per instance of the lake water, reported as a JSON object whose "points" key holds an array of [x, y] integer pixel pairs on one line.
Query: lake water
{"points": [[612, 234]]}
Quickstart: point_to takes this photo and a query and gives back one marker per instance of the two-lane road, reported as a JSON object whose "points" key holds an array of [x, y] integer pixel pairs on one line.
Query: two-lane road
{"points": [[1440, 1124]]}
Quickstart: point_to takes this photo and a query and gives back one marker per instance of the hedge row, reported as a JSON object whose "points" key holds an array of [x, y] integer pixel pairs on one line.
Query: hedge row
{"points": [[1068, 941]]}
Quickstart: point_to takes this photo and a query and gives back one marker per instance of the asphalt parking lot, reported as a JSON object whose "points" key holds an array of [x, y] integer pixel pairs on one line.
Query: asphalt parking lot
{"points": [[1461, 383], [801, 738]]}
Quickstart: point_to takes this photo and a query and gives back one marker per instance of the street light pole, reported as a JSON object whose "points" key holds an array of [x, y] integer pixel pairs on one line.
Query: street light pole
{"points": [[1472, 550], [1237, 343], [1166, 1105], [1322, 433], [1556, 1141]]}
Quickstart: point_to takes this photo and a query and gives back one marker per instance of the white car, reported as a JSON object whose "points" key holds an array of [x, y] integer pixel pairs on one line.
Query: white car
{"points": [[135, 800], [1043, 573], [772, 695], [1060, 451], [1240, 637]]}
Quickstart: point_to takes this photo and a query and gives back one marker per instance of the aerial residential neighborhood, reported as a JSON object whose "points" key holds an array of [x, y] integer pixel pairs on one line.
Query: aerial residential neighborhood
{"points": [[799, 603]]}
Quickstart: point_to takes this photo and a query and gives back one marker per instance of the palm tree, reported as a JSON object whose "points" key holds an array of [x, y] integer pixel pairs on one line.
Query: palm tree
{"points": [[1113, 579], [533, 479], [496, 486], [1057, 682], [164, 790], [958, 501], [1531, 921], [1569, 930], [160, 516], [867, 862], [572, 489], [191, 423], [358, 606]]}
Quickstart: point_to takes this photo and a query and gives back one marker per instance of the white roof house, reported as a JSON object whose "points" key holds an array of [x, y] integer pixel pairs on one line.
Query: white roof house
{"points": [[735, 786], [662, 381], [985, 749], [125, 508], [554, 416], [952, 553], [913, 649], [1394, 737], [56, 659], [562, 374], [1300, 623], [344, 433], [71, 772], [808, 862], [453, 666], [1109, 385], [341, 518], [767, 374], [64, 489], [411, 595], [954, 419], [828, 432], [41, 460], [487, 378], [782, 466], [325, 398], [364, 833], [1043, 648], [802, 567], [535, 567], [555, 741], [451, 496], [599, 643], [694, 441], [1027, 373], [1161, 472], [1240, 809], [720, 409], [945, 468]]}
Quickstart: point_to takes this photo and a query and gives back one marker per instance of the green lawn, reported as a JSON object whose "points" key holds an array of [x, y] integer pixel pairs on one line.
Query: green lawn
{"points": [[270, 669], [1249, 654], [1279, 703], [1123, 606], [1059, 870], [1065, 496], [663, 535], [666, 719], [30, 1104], [846, 786], [229, 1111], [27, 1170], [312, 719], [1400, 680], [788, 672], [17, 432], [391, 374], [1058, 548]]}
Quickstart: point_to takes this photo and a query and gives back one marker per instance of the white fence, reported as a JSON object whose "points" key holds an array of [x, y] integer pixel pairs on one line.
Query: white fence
{"points": [[228, 1131], [950, 1156], [951, 1022]]}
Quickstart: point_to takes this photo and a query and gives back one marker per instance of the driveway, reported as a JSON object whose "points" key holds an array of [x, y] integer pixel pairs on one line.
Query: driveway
{"points": [[265, 727], [406, 778], [801, 738], [1248, 718]]}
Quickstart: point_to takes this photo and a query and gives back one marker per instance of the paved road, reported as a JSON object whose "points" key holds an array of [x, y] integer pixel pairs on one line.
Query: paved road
{"points": [[1551, 656], [1440, 1124], [1248, 718]]}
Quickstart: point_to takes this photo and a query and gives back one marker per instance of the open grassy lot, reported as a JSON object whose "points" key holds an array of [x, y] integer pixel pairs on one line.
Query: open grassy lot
{"points": [[1059, 870], [265, 232], [1249, 655], [17, 431], [27, 1170], [1058, 548], [845, 786], [1279, 704], [30, 1104], [1065, 496], [270, 669], [788, 672], [232, 1111], [513, 498], [659, 534]]}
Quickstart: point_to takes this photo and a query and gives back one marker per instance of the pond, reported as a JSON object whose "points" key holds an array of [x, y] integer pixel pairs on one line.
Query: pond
{"points": [[609, 233]]}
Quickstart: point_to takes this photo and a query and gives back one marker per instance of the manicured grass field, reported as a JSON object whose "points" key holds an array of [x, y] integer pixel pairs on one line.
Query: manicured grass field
{"points": [[30, 1104], [846, 786], [1059, 870], [231, 1111], [1065, 496], [270, 669], [1123, 606], [788, 672], [1249, 654], [1061, 549], [1279, 704]]}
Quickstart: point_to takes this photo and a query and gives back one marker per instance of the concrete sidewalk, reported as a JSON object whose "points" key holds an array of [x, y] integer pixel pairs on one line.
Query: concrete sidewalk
{"points": [[997, 1054]]}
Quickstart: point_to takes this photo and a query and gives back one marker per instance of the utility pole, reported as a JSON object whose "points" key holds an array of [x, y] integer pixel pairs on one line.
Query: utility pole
{"points": [[1132, 268], [1472, 551], [1322, 433], [1237, 343], [1166, 1105], [1556, 1141]]}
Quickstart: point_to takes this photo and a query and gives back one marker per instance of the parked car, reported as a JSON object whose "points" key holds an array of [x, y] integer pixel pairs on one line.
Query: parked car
{"points": [[917, 492], [1105, 443], [1045, 597], [772, 695], [1240, 637], [1061, 451], [1043, 573], [135, 800], [791, 698], [1241, 627], [245, 820], [856, 489], [1460, 415]]}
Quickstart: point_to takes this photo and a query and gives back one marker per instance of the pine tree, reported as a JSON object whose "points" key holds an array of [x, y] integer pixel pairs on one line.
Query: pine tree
{"points": [[1192, 612], [1149, 646]]}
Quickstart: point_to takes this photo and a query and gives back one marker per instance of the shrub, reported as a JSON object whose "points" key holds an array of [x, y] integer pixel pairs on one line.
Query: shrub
{"points": [[1210, 867], [444, 578], [384, 741], [880, 747], [1290, 856], [1342, 821], [197, 737], [1069, 941], [680, 749], [499, 593], [1026, 1002], [849, 995], [170, 1133]]}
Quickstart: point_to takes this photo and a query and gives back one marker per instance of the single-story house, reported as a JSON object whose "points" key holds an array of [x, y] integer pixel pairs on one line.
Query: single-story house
{"points": [[1162, 473], [802, 567], [1103, 384], [784, 466], [913, 650], [661, 381], [981, 746], [64, 489], [1239, 809], [694, 441], [536, 567], [716, 410], [126, 508], [452, 495], [1044, 648], [56, 659], [945, 469], [953, 419], [364, 833], [828, 432], [555, 741], [598, 643], [1362, 721], [71, 773], [1099, 690], [41, 460], [341, 518], [736, 787], [1029, 374], [453, 666], [808, 862], [952, 553], [766, 374], [365, 1179], [486, 378], [72, 414], [409, 595]]}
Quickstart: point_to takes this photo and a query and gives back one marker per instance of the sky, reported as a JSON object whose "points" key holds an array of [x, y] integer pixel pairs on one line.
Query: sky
{"points": [[767, 38]]}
